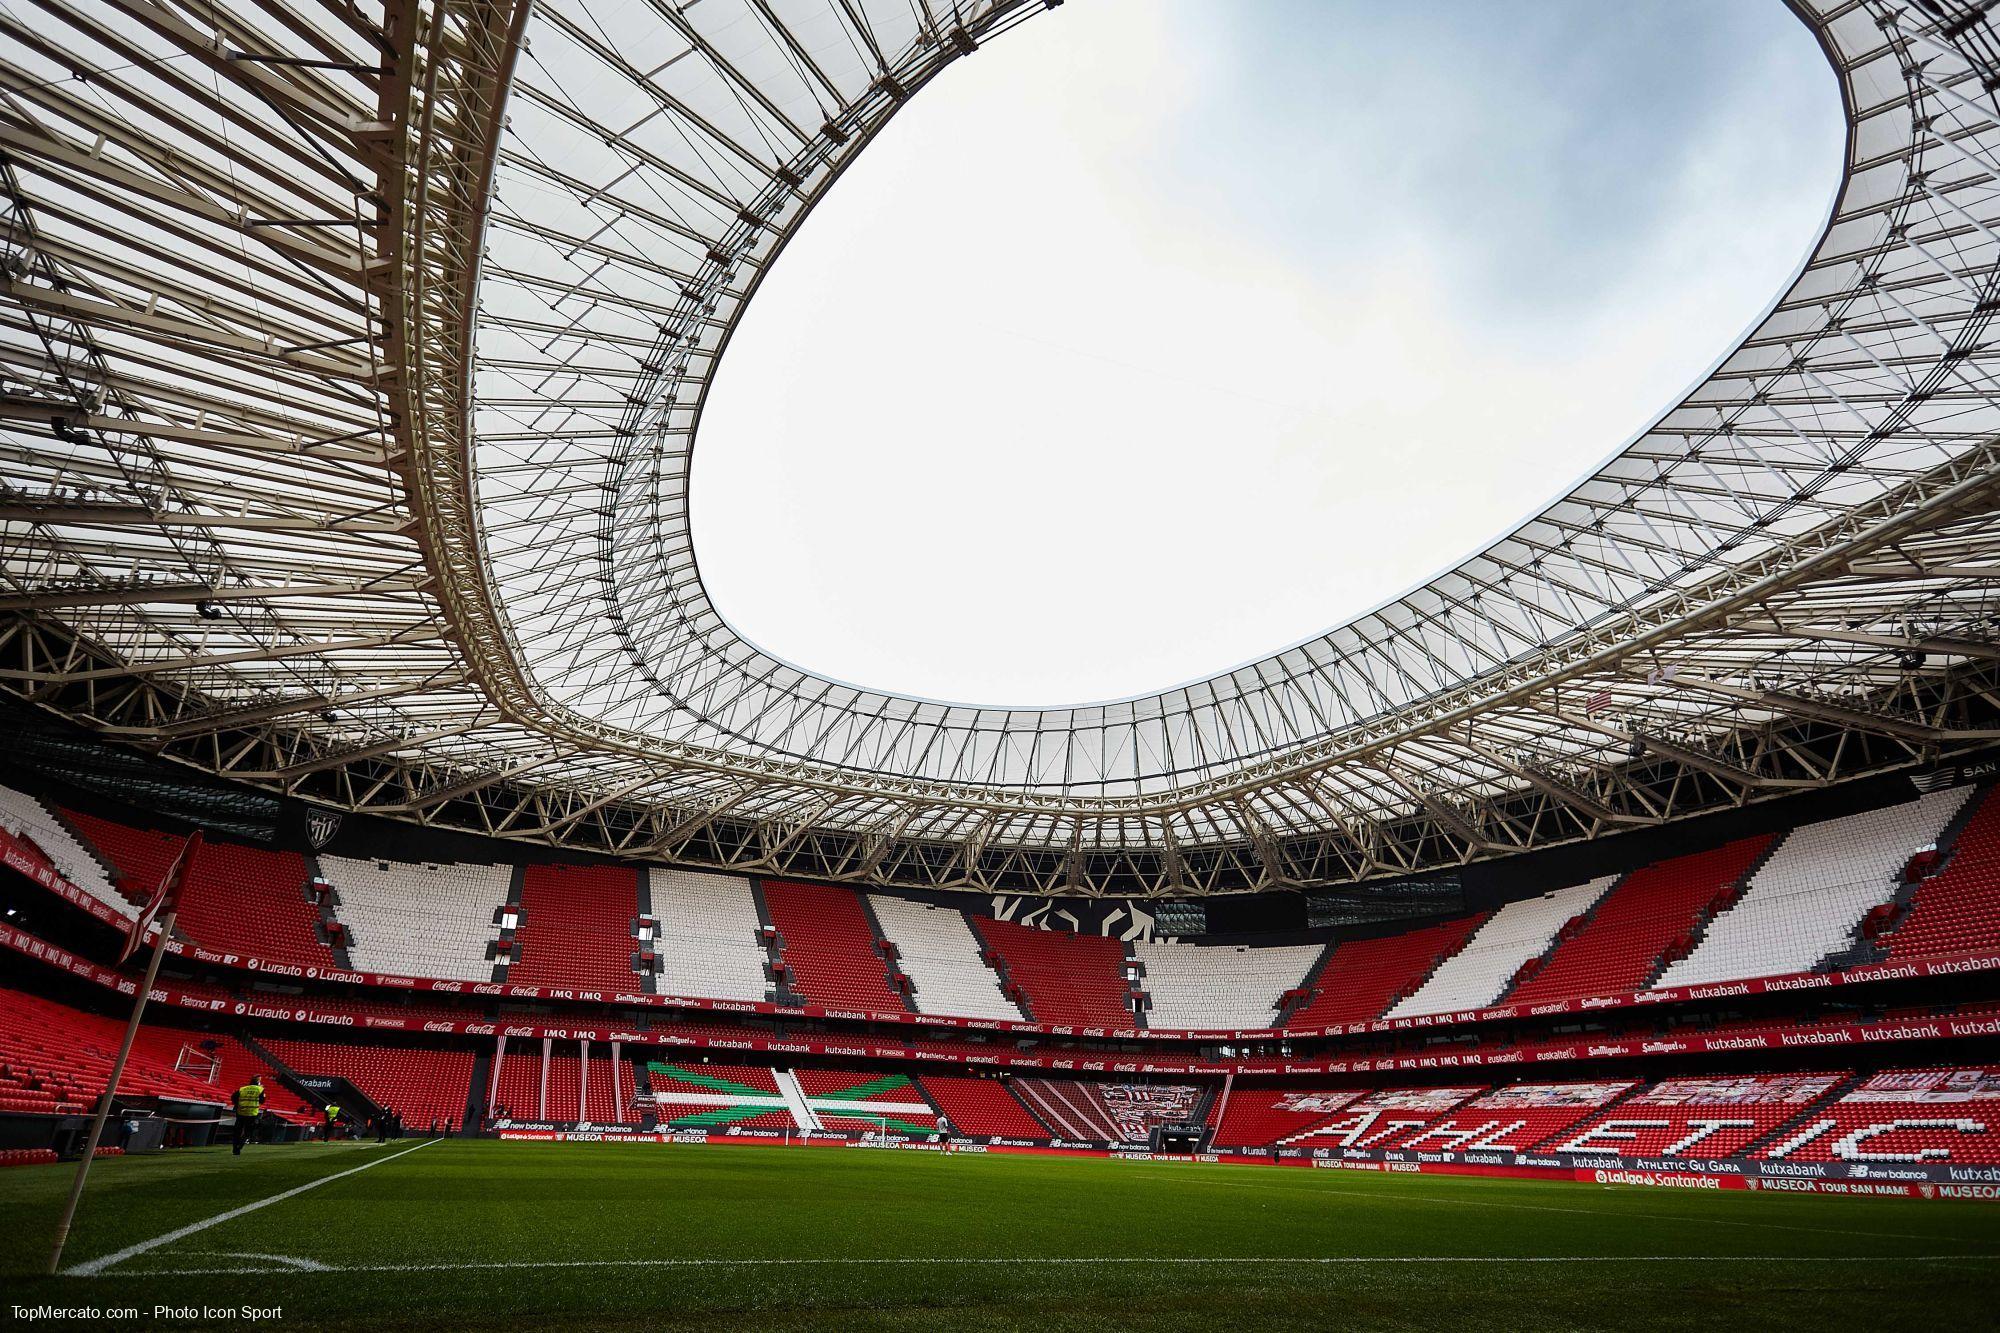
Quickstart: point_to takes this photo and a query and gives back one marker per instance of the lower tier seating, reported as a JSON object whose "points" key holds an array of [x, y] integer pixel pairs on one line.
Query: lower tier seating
{"points": [[982, 1106], [870, 1102], [1107, 1112], [55, 1060], [1908, 1115], [1264, 1115], [1697, 1117], [423, 1085], [1381, 1118], [1511, 1119]]}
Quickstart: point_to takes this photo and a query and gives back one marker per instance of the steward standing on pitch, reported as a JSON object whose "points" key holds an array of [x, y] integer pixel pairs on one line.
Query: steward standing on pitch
{"points": [[249, 1103]]}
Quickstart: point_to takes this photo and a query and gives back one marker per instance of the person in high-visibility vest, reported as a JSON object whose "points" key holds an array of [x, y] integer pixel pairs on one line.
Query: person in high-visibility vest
{"points": [[332, 1119], [249, 1102]]}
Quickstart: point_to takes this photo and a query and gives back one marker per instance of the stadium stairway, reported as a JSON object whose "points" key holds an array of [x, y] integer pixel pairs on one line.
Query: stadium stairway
{"points": [[1792, 1124], [286, 1074], [475, 1092], [1867, 942]]}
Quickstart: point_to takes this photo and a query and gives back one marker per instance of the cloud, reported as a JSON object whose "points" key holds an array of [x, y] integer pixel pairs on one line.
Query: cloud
{"points": [[1159, 335]]}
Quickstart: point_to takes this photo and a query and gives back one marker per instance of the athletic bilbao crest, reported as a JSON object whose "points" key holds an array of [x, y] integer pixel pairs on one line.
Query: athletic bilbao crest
{"points": [[321, 825]]}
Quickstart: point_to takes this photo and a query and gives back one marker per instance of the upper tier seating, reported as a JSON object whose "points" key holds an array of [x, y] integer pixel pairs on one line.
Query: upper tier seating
{"points": [[1907, 1115], [940, 953], [236, 898], [1220, 987], [982, 1106], [419, 920], [1362, 978], [253, 902], [829, 948], [1512, 1119], [1697, 1117], [576, 928], [1107, 1112], [422, 1085], [1479, 974], [1379, 1118], [847, 1102], [25, 817], [1806, 900], [1957, 911], [708, 936], [1063, 978], [1262, 1115], [55, 1060], [1619, 947]]}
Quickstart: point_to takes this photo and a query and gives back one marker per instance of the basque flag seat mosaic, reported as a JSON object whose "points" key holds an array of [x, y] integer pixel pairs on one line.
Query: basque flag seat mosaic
{"points": [[728, 1097]]}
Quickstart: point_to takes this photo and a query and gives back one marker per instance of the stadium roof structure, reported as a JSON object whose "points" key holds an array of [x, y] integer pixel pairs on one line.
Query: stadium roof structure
{"points": [[352, 356]]}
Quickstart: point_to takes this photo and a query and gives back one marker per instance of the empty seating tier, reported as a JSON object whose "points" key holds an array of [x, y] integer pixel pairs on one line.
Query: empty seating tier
{"points": [[708, 936], [1107, 1112], [1619, 947], [90, 870], [423, 1086], [1957, 911], [576, 928], [1512, 939], [1512, 1119], [419, 919], [1362, 978], [1909, 1115], [941, 956], [252, 901], [1219, 987], [1261, 1116], [829, 948], [55, 1060], [1807, 900], [1697, 1117], [1075, 980], [982, 1106], [1379, 1119], [718, 1097], [847, 1102]]}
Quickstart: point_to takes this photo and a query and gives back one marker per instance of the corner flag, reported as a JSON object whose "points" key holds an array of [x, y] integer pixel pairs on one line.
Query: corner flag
{"points": [[162, 901]]}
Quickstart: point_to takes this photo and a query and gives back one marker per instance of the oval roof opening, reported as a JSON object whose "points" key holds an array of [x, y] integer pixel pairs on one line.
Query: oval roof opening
{"points": [[1163, 335]]}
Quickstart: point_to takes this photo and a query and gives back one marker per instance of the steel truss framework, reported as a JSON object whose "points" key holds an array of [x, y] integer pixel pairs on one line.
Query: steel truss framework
{"points": [[352, 356]]}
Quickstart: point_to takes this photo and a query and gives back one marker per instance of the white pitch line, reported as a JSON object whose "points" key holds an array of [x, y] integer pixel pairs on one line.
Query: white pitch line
{"points": [[1065, 1260], [94, 1267]]}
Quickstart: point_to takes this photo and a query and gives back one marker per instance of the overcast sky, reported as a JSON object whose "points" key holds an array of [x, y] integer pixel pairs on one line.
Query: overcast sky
{"points": [[1161, 334]]}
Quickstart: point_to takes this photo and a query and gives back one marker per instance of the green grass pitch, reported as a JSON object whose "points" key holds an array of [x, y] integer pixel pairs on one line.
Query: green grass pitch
{"points": [[481, 1235]]}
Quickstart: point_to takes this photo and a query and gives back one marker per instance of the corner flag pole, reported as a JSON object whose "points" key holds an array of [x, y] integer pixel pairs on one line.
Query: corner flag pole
{"points": [[163, 895]]}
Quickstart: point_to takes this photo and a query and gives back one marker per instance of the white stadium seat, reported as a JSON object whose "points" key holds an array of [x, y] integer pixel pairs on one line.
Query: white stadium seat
{"points": [[1220, 987], [939, 953], [1480, 973], [1805, 902], [419, 919], [708, 936], [26, 817]]}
